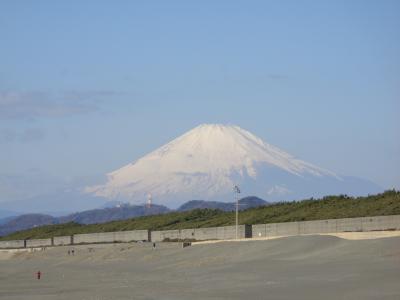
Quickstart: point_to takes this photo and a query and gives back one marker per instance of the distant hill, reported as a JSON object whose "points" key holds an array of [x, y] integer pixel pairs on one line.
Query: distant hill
{"points": [[251, 202], [26, 222], [244, 203], [202, 204], [6, 219], [330, 207], [121, 212]]}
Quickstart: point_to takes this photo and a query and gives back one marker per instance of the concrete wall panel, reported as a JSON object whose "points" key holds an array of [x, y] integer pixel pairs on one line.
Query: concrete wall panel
{"points": [[349, 225], [318, 226], [104, 237], [289, 228], [230, 232], [327, 226], [62, 240], [159, 236], [202, 234], [187, 234], [12, 244], [38, 243], [111, 237], [381, 223], [133, 235], [270, 229], [225, 232], [373, 223], [259, 230]]}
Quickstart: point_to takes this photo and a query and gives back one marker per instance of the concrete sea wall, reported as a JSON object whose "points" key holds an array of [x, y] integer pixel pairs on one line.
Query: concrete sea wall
{"points": [[111, 237], [200, 234], [39, 243], [12, 244], [63, 240], [327, 226], [365, 224]]}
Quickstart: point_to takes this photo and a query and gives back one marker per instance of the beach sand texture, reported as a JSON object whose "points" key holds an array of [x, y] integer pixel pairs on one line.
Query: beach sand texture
{"points": [[299, 267]]}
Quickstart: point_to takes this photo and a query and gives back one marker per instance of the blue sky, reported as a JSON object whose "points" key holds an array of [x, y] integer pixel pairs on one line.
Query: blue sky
{"points": [[88, 86]]}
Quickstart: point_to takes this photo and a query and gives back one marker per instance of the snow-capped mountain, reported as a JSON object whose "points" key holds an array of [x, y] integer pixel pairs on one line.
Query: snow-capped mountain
{"points": [[206, 162]]}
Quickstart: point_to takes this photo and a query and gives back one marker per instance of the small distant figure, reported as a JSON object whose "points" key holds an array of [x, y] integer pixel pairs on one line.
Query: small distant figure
{"points": [[38, 275], [73, 252], [154, 246]]}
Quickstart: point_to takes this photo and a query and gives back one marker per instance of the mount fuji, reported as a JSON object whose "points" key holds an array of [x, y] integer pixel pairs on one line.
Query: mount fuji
{"points": [[206, 162]]}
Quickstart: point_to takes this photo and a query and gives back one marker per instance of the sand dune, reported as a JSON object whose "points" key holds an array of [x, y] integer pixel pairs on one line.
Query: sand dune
{"points": [[302, 267]]}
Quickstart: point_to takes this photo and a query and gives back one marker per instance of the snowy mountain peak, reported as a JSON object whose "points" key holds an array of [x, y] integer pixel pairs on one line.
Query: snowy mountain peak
{"points": [[205, 163], [215, 148]]}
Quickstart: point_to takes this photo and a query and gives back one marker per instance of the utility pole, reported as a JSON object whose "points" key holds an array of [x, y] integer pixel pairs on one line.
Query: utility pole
{"points": [[237, 192]]}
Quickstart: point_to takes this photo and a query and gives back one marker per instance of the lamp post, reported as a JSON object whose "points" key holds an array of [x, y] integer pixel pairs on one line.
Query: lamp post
{"points": [[237, 192]]}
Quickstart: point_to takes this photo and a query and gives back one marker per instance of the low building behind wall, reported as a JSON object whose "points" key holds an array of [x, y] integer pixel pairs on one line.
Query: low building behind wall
{"points": [[12, 244]]}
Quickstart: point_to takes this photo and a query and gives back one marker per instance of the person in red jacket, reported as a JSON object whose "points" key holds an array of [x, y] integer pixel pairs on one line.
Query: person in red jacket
{"points": [[38, 275]]}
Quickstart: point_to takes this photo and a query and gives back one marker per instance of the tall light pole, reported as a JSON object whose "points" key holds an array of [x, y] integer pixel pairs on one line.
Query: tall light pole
{"points": [[237, 192]]}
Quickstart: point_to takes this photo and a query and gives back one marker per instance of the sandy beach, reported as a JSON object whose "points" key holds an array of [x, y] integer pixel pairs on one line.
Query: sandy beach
{"points": [[301, 267]]}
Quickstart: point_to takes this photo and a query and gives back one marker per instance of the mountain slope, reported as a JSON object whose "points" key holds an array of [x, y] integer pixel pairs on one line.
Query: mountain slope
{"points": [[113, 213], [206, 162], [26, 222], [93, 216]]}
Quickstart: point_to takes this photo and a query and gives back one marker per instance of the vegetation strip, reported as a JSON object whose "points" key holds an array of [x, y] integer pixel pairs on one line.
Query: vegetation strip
{"points": [[330, 207]]}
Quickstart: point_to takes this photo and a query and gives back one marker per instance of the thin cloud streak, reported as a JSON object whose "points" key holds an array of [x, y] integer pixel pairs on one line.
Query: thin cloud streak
{"points": [[28, 135], [35, 105]]}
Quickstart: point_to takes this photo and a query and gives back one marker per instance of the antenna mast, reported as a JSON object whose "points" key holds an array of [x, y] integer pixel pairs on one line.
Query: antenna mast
{"points": [[149, 199]]}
